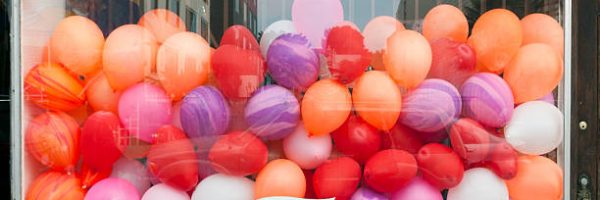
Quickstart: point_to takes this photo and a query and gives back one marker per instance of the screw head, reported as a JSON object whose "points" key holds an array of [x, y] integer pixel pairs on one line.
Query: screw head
{"points": [[583, 125]]}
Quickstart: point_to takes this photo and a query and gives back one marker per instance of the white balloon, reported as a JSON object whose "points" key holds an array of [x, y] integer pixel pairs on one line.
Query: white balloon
{"points": [[163, 191], [536, 128], [479, 184], [224, 187], [272, 32], [378, 30], [133, 171], [307, 151]]}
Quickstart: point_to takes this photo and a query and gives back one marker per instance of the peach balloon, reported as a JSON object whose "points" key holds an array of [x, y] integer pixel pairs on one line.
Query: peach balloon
{"points": [[537, 178], [162, 23], [534, 71], [101, 96], [280, 177], [50, 86], [446, 21], [182, 63], [129, 56], [495, 38], [408, 58], [77, 43], [542, 28], [377, 99], [376, 33], [325, 106]]}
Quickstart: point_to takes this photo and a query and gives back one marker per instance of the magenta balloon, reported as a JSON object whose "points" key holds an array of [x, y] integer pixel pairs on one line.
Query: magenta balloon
{"points": [[432, 106], [143, 108], [487, 99], [417, 189], [314, 17], [367, 194], [112, 188]]}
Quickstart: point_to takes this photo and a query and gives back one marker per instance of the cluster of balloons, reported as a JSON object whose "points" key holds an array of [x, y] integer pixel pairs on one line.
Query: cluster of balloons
{"points": [[350, 114]]}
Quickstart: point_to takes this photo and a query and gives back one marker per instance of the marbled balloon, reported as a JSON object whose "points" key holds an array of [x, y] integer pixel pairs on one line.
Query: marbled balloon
{"points": [[204, 112], [488, 99], [272, 113], [292, 63], [430, 107]]}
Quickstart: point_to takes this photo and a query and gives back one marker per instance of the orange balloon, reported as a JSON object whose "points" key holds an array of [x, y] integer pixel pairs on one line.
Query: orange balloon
{"points": [[446, 21], [162, 23], [52, 138], [77, 43], [534, 72], [50, 86], [325, 106], [55, 186], [280, 177], [541, 28], [495, 38], [129, 56], [101, 96], [537, 178], [407, 58], [182, 63], [377, 99]]}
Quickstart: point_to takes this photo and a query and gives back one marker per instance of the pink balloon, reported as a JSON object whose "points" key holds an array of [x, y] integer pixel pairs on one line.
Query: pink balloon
{"points": [[163, 191], [143, 108], [112, 188], [417, 189], [313, 17]]}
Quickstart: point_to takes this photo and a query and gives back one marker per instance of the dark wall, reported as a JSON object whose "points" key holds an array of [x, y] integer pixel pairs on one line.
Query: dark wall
{"points": [[4, 103]]}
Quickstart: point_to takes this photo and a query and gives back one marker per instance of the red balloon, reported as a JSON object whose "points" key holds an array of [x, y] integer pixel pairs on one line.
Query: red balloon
{"points": [[402, 138], [90, 176], [240, 36], [389, 170], [346, 54], [357, 139], [103, 140], [337, 178], [470, 140], [238, 154], [503, 160], [238, 72], [440, 166], [452, 61], [172, 158]]}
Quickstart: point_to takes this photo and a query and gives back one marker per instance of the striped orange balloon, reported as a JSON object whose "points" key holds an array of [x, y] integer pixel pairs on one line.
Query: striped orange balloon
{"points": [[55, 186], [50, 86], [52, 139]]}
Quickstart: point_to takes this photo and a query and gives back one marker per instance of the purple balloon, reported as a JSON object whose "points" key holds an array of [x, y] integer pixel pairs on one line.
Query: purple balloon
{"points": [[367, 194], [548, 98], [292, 63], [488, 99], [204, 112], [431, 107], [417, 189], [112, 188], [272, 113]]}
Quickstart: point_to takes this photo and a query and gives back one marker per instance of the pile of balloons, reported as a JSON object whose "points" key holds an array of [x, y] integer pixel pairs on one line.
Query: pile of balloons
{"points": [[153, 112]]}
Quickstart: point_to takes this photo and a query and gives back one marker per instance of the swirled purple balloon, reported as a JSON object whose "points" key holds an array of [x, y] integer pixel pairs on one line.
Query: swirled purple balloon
{"points": [[431, 106], [292, 63], [204, 112], [272, 112], [367, 194], [488, 99]]}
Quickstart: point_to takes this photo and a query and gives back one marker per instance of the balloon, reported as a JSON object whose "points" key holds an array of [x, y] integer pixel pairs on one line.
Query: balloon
{"points": [[272, 113], [347, 57], [357, 139], [536, 128], [452, 61], [313, 17], [204, 112], [325, 107], [143, 108], [487, 99], [378, 30], [496, 38], [440, 166], [239, 72], [55, 186], [537, 178], [123, 44], [291, 61], [477, 184], [52, 138], [224, 187], [134, 172], [241, 37], [172, 159], [503, 161], [162, 23], [402, 138], [50, 86], [90, 176], [377, 99], [431, 106], [337, 178], [470, 140], [364, 193], [305, 150], [389, 170], [112, 188], [417, 189], [534, 72], [77, 44], [103, 140], [238, 154], [273, 31], [163, 191], [101, 96], [280, 178], [407, 58], [445, 21], [542, 28], [182, 63], [549, 98]]}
